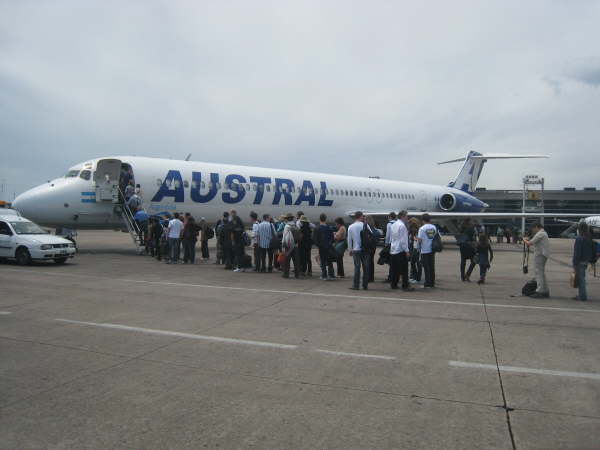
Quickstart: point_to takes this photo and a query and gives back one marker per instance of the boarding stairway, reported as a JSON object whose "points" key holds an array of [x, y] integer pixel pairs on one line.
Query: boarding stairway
{"points": [[131, 225]]}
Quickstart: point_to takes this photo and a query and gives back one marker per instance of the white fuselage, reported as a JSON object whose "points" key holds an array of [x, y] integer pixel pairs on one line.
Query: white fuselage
{"points": [[207, 190]]}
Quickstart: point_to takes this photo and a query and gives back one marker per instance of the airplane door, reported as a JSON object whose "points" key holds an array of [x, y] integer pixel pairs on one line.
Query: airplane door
{"points": [[106, 178], [423, 206]]}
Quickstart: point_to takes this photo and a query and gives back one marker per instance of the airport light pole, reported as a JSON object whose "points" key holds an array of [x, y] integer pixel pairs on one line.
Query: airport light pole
{"points": [[529, 180]]}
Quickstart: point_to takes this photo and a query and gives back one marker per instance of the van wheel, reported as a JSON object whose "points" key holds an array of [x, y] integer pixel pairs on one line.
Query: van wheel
{"points": [[60, 260], [23, 257]]}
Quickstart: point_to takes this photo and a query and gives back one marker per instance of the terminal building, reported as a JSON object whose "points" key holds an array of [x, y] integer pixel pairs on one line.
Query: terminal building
{"points": [[563, 201]]}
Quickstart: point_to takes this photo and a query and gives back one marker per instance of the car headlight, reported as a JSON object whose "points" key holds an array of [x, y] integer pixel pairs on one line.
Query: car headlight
{"points": [[71, 245], [46, 246]]}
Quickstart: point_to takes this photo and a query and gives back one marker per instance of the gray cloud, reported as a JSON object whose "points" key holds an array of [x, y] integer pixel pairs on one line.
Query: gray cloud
{"points": [[587, 73], [348, 87]]}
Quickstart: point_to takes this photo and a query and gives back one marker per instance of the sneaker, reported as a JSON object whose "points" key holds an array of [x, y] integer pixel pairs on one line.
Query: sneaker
{"points": [[237, 270], [411, 281], [322, 278], [330, 279]]}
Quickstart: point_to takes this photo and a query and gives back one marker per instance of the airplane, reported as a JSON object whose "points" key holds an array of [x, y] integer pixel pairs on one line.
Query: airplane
{"points": [[593, 223], [88, 195]]}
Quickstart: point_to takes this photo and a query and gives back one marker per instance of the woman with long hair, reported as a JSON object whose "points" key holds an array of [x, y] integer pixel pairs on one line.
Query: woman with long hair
{"points": [[341, 245]]}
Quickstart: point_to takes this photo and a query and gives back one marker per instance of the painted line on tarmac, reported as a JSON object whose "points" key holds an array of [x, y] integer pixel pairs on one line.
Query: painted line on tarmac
{"points": [[355, 355], [314, 294], [5, 313], [224, 340], [556, 373]]}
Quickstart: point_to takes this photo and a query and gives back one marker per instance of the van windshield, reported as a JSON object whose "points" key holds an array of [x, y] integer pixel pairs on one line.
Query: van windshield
{"points": [[27, 228]]}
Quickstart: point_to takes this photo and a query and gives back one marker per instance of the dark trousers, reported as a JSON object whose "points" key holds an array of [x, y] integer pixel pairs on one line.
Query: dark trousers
{"points": [[228, 257], [156, 250], [174, 244], [428, 261], [189, 251], [261, 259], [463, 264], [361, 259], [326, 265], [238, 255], [291, 256], [256, 256], [416, 268], [483, 268], [304, 253], [340, 265], [399, 266], [270, 255], [371, 263], [204, 249]]}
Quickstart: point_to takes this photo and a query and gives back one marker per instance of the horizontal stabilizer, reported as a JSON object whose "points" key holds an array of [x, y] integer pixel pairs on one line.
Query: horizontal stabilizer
{"points": [[494, 156]]}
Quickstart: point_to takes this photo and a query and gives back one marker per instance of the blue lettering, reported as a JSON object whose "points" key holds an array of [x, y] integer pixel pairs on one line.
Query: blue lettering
{"points": [[307, 194], [237, 187], [195, 194], [173, 178], [260, 187], [279, 191], [323, 197]]}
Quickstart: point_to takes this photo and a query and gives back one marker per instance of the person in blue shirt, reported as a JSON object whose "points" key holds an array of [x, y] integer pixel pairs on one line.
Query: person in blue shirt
{"points": [[583, 252]]}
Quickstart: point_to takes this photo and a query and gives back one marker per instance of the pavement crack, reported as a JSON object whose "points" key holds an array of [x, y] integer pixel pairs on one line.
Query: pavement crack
{"points": [[505, 406]]}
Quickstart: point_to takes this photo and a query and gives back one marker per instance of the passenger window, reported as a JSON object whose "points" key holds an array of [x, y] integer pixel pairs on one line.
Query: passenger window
{"points": [[85, 174]]}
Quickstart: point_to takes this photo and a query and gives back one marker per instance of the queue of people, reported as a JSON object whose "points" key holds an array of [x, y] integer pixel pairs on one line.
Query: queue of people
{"points": [[285, 245]]}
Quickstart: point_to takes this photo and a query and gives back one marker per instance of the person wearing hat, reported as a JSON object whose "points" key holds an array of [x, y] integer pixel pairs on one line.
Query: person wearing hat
{"points": [[305, 247], [289, 242]]}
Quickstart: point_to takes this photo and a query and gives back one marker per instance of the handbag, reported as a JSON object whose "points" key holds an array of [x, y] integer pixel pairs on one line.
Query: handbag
{"points": [[340, 247], [573, 282], [332, 254], [281, 258]]}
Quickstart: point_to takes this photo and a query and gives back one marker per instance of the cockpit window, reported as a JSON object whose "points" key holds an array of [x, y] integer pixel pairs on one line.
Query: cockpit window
{"points": [[26, 228], [85, 174], [72, 174]]}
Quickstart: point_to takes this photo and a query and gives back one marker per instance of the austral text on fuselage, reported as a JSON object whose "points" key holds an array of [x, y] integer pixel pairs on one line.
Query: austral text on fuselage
{"points": [[172, 186]]}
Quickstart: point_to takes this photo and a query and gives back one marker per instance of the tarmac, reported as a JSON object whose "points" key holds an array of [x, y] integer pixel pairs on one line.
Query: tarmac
{"points": [[116, 350]]}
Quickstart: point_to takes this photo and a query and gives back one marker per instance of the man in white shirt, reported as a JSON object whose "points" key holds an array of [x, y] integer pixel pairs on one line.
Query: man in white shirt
{"points": [[388, 239], [255, 222], [174, 231], [357, 252], [425, 237], [399, 252], [541, 246]]}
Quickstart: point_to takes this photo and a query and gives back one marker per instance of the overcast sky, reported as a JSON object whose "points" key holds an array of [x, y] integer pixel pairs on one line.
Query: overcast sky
{"points": [[382, 88]]}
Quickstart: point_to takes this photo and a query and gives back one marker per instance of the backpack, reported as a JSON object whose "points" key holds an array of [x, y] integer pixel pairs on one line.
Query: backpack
{"points": [[529, 288], [368, 238], [436, 243], [295, 233], [210, 233]]}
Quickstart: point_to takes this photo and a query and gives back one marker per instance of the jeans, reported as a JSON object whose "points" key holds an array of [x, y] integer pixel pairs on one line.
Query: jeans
{"points": [[174, 250], [540, 274], [416, 269], [361, 258], [399, 266], [189, 251], [580, 271], [428, 261], [371, 264], [326, 265], [483, 268], [227, 256], [463, 263]]}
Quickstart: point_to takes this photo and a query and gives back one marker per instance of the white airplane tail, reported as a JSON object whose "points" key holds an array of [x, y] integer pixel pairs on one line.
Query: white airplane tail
{"points": [[468, 176]]}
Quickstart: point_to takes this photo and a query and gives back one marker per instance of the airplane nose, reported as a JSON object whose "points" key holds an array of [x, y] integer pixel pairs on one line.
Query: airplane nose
{"points": [[44, 204], [24, 204]]}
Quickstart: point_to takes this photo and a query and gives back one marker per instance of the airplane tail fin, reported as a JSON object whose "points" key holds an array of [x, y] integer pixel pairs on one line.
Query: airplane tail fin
{"points": [[468, 176]]}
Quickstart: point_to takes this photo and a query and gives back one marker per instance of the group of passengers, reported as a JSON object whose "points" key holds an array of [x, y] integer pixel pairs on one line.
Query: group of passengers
{"points": [[285, 244]]}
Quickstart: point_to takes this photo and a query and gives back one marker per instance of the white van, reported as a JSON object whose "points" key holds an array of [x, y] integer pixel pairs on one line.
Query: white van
{"points": [[24, 241]]}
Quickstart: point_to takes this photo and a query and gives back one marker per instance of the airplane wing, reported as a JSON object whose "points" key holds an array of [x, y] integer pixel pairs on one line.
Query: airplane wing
{"points": [[479, 215]]}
